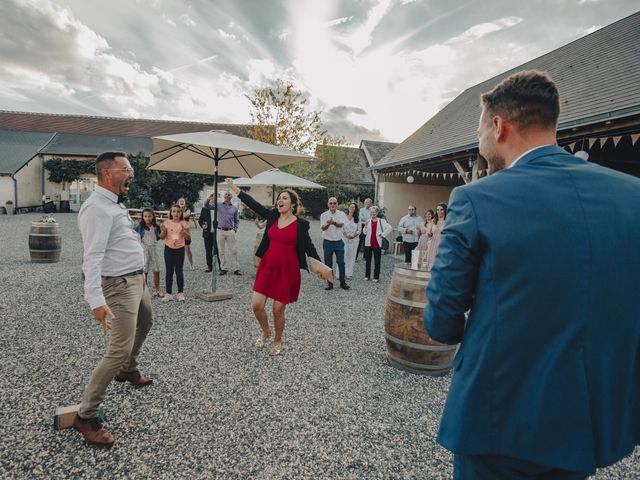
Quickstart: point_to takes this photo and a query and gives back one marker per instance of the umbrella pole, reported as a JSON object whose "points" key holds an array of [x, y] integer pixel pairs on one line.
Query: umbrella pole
{"points": [[214, 229], [215, 295]]}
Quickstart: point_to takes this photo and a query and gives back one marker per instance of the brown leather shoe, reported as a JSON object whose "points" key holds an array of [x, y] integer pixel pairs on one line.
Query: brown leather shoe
{"points": [[92, 431], [135, 378]]}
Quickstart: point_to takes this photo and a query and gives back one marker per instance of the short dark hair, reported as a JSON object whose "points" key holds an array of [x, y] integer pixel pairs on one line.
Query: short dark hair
{"points": [[528, 98], [105, 160]]}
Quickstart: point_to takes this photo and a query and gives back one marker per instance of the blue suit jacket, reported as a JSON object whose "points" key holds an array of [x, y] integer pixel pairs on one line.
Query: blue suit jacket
{"points": [[546, 255]]}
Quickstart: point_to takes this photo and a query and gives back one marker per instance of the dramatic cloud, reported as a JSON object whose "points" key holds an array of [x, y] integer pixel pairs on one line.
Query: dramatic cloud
{"points": [[337, 122], [376, 69]]}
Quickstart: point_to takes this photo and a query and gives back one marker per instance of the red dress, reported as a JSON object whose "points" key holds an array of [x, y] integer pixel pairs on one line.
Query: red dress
{"points": [[278, 275]]}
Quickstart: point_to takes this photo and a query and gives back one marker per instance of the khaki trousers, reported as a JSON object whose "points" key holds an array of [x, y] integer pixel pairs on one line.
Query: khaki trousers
{"points": [[227, 239], [129, 300]]}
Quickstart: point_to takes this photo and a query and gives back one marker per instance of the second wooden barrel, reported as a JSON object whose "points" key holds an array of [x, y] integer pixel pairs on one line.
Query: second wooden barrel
{"points": [[409, 346], [45, 242]]}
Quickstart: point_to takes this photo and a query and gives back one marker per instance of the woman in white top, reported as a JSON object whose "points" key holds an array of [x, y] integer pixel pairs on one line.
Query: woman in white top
{"points": [[350, 238], [374, 230]]}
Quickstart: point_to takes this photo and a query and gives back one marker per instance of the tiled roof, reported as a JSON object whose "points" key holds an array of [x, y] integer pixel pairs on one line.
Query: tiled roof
{"points": [[375, 150], [358, 171], [93, 145], [18, 148], [108, 126], [597, 77]]}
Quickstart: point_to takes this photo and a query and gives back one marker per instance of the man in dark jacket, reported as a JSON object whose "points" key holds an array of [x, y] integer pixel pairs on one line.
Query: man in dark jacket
{"points": [[205, 222]]}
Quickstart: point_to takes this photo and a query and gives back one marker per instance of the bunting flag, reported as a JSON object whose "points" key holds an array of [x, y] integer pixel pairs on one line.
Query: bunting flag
{"points": [[584, 144]]}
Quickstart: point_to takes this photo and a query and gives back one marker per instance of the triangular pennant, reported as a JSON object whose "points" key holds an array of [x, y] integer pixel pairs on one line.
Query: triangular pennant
{"points": [[603, 140], [616, 139], [571, 145], [634, 138]]}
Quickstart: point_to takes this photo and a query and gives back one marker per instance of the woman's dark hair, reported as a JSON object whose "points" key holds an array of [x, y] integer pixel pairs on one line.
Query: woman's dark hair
{"points": [[296, 203], [444, 207], [356, 217], [153, 221]]}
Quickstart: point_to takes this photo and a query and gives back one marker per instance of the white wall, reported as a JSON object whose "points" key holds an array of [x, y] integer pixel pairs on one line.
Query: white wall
{"points": [[6, 189], [396, 197], [29, 180]]}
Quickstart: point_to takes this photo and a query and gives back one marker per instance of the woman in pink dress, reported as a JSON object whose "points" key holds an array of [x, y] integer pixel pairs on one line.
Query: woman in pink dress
{"points": [[425, 229], [283, 251], [441, 215]]}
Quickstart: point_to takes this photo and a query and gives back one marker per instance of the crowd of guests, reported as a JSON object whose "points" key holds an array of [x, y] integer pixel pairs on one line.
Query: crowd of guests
{"points": [[345, 234]]}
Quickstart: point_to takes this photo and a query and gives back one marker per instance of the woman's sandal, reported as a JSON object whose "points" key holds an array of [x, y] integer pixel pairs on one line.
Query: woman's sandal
{"points": [[262, 340], [276, 349]]}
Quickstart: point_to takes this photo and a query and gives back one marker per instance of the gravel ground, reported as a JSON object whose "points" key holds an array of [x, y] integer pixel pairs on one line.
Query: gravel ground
{"points": [[329, 407]]}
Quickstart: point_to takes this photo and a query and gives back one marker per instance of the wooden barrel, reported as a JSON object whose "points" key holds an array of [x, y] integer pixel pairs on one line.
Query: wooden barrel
{"points": [[256, 260], [45, 242], [409, 346]]}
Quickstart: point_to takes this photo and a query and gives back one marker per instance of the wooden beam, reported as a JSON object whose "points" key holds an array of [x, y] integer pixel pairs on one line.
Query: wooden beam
{"points": [[461, 171], [478, 166]]}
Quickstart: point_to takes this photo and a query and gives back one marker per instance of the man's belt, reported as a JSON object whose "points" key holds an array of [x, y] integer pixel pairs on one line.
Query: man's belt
{"points": [[129, 274], [225, 229]]}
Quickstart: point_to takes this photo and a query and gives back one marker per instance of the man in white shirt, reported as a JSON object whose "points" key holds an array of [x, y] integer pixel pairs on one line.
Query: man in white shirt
{"points": [[331, 223], [409, 229], [114, 288], [363, 215]]}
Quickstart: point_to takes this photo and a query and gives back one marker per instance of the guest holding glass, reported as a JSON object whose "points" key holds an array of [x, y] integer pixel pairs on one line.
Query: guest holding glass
{"points": [[350, 238], [426, 233], [441, 216]]}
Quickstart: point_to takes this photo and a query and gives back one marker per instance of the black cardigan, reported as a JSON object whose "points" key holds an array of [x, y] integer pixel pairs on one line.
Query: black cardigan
{"points": [[304, 243]]}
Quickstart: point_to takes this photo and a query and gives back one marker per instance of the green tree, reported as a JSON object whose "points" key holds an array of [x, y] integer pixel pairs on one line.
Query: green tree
{"points": [[281, 116], [159, 189], [67, 171]]}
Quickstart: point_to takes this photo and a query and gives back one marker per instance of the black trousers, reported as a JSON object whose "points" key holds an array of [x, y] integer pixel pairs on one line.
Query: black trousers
{"points": [[360, 245], [174, 261], [408, 248], [377, 255], [208, 248]]}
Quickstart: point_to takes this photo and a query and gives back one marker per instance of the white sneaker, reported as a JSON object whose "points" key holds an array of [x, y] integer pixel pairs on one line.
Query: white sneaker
{"points": [[180, 297], [375, 280], [366, 279], [167, 297]]}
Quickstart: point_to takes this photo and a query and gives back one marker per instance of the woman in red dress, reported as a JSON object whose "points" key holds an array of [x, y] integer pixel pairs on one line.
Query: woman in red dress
{"points": [[282, 251]]}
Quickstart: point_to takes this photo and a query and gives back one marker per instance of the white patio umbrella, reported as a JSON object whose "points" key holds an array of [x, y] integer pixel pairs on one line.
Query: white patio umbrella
{"points": [[276, 177], [217, 152]]}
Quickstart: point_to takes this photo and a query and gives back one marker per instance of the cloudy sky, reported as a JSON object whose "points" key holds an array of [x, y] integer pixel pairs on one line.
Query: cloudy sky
{"points": [[376, 69]]}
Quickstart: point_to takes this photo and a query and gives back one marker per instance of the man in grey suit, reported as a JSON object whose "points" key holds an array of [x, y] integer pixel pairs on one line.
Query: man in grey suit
{"points": [[546, 383]]}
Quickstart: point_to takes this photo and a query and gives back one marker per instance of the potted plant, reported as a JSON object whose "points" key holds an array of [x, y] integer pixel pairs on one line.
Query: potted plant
{"points": [[9, 207]]}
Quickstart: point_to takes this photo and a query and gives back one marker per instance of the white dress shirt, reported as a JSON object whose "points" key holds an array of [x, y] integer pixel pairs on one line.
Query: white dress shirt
{"points": [[364, 215], [409, 222], [333, 233], [111, 246]]}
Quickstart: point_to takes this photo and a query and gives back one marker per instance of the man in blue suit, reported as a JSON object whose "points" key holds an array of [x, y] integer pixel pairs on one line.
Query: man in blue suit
{"points": [[545, 255]]}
